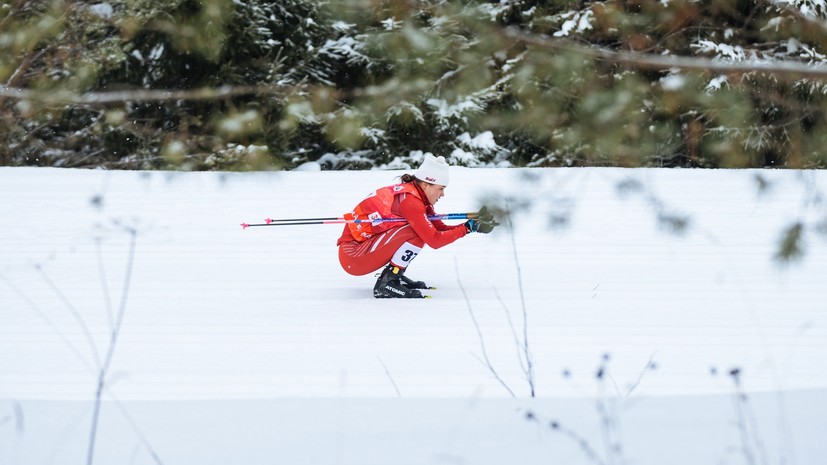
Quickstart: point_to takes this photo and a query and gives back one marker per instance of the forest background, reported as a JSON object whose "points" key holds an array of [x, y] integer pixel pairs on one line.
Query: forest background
{"points": [[360, 84]]}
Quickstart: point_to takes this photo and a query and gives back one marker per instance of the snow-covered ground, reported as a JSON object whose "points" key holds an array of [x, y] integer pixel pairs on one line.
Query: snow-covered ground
{"points": [[253, 346]]}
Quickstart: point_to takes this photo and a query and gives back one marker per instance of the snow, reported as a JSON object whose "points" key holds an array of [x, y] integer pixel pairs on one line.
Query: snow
{"points": [[723, 52], [673, 82], [716, 83], [104, 10], [471, 148], [309, 166], [815, 8], [483, 141], [344, 48], [157, 52], [575, 21], [446, 111], [391, 24], [253, 346]]}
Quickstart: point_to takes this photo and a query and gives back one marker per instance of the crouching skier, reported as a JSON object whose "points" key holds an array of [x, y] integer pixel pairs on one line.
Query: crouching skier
{"points": [[365, 247]]}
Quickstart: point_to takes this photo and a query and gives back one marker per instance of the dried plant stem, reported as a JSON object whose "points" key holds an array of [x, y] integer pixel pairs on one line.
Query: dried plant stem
{"points": [[486, 360], [529, 363], [110, 353]]}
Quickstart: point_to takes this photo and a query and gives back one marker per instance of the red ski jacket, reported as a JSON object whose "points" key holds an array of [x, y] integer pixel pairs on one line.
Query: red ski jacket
{"points": [[404, 200]]}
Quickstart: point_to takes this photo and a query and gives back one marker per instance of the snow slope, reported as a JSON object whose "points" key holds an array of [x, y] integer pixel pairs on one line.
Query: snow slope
{"points": [[253, 346]]}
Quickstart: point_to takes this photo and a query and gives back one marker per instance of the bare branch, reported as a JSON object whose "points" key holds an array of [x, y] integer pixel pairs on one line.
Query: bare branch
{"points": [[665, 62], [141, 95]]}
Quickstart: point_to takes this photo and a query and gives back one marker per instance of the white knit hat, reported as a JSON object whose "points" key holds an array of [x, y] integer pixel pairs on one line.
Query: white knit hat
{"points": [[433, 170]]}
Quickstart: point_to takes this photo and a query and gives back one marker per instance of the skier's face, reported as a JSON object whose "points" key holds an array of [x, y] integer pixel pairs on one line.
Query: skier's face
{"points": [[434, 192]]}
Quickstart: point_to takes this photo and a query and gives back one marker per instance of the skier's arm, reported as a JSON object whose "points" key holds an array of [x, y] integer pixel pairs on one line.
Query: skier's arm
{"points": [[413, 210], [438, 224]]}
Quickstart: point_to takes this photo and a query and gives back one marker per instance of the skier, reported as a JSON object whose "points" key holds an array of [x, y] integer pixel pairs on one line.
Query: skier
{"points": [[365, 247]]}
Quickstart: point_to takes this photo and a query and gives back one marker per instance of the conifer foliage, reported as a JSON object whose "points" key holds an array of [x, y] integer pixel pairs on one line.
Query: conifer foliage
{"points": [[223, 84]]}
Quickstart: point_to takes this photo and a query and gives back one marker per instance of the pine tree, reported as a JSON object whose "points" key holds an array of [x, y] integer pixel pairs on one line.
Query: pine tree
{"points": [[647, 83], [219, 84], [70, 50]]}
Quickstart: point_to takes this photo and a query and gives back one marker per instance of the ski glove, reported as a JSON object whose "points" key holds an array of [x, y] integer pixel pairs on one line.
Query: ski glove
{"points": [[485, 216], [477, 226], [483, 223]]}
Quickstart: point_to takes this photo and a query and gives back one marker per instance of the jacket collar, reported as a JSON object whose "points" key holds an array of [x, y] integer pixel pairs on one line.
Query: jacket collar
{"points": [[421, 193]]}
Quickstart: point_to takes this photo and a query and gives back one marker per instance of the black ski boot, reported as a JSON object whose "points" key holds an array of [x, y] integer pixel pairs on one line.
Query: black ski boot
{"points": [[411, 284], [390, 285]]}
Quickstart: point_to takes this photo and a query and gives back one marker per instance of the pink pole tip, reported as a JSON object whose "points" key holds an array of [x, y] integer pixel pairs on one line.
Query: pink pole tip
{"points": [[268, 220], [244, 225]]}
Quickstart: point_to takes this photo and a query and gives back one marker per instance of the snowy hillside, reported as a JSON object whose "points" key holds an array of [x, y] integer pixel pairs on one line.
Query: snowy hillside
{"points": [[253, 346]]}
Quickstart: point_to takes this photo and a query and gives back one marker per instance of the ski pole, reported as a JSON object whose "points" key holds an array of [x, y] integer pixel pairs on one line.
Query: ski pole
{"points": [[444, 216], [342, 220]]}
